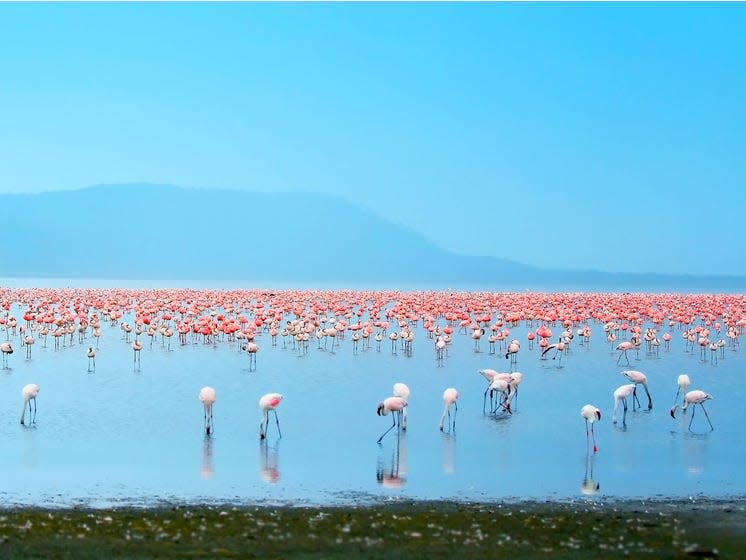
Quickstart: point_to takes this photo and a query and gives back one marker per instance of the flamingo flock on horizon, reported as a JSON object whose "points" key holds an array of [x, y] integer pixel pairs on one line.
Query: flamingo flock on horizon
{"points": [[240, 317]]}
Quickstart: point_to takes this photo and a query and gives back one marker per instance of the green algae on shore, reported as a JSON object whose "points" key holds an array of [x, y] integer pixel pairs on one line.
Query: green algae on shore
{"points": [[683, 529]]}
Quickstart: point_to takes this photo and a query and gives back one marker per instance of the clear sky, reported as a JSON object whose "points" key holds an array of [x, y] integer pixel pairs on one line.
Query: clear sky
{"points": [[609, 136]]}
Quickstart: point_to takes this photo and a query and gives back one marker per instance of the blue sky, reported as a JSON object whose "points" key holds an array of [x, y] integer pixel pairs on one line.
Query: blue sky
{"points": [[607, 136]]}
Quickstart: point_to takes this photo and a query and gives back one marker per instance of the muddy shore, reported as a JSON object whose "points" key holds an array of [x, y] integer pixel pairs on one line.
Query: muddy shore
{"points": [[398, 529]]}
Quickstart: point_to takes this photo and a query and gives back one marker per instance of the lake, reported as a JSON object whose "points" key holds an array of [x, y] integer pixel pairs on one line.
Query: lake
{"points": [[127, 435]]}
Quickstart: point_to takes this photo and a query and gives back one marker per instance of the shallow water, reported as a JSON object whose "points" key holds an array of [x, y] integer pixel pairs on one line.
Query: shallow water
{"points": [[126, 435]]}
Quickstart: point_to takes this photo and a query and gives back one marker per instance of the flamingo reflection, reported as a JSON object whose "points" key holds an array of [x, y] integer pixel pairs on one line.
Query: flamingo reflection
{"points": [[269, 471], [589, 485], [394, 477], [449, 452], [206, 470]]}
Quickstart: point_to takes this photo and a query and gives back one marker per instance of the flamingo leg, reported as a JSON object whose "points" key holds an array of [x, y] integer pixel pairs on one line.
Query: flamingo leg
{"points": [[393, 425], [694, 409], [650, 399], [455, 410], [635, 399], [707, 416], [277, 421]]}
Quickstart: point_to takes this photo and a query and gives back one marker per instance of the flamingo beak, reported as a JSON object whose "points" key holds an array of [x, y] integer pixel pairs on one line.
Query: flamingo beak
{"points": [[380, 408], [673, 411]]}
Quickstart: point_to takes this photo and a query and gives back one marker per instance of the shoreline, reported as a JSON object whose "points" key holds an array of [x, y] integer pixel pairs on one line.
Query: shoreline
{"points": [[657, 528]]}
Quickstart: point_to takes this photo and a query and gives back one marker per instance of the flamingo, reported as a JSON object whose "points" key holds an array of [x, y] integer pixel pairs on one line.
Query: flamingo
{"points": [[91, 359], [515, 379], [683, 383], [136, 347], [29, 393], [591, 414], [252, 349], [623, 347], [695, 397], [490, 375], [268, 402], [512, 351], [639, 378], [500, 385], [28, 340], [558, 347], [207, 398], [450, 396], [7, 350], [401, 390], [394, 405], [620, 396]]}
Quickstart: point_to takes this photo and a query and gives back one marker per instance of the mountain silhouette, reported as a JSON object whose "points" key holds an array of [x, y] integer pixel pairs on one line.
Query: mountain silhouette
{"points": [[162, 232]]}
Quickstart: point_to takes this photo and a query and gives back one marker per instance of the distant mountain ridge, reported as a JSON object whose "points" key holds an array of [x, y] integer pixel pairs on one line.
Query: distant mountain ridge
{"points": [[167, 232]]}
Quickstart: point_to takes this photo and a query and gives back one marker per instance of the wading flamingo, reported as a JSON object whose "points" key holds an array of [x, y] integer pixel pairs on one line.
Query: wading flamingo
{"points": [[639, 378], [558, 347], [401, 390], [91, 359], [450, 396], [7, 350], [620, 396], [29, 393], [683, 383], [207, 398], [394, 405], [591, 414], [268, 402], [623, 348], [28, 340], [136, 347], [694, 398]]}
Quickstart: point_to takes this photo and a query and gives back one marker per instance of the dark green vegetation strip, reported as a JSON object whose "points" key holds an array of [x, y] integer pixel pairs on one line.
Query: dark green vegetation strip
{"points": [[394, 530]]}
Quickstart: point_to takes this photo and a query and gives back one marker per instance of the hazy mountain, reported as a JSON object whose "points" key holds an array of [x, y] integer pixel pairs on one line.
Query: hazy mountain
{"points": [[170, 233]]}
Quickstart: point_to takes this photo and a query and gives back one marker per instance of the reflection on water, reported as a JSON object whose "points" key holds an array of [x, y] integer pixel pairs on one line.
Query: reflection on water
{"points": [[269, 470], [589, 485], [694, 453], [206, 470], [30, 455], [449, 453], [395, 475]]}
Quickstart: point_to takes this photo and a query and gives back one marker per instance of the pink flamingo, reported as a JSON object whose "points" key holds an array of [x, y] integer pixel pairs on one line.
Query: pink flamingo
{"points": [[502, 386], [207, 398], [252, 349], [558, 347], [7, 350], [683, 382], [639, 378], [28, 340], [136, 347], [620, 396], [267, 403], [29, 393], [512, 352], [591, 414], [401, 390], [623, 347], [394, 405], [490, 375], [91, 359], [695, 397], [450, 396]]}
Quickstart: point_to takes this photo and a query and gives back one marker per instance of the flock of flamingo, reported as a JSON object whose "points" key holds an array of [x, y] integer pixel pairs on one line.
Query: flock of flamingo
{"points": [[242, 317]]}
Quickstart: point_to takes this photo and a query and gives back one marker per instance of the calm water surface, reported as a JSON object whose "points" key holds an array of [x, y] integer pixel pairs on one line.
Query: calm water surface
{"points": [[125, 436]]}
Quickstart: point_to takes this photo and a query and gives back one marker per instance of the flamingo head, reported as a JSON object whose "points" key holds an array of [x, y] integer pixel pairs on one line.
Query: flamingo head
{"points": [[381, 411], [598, 414]]}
